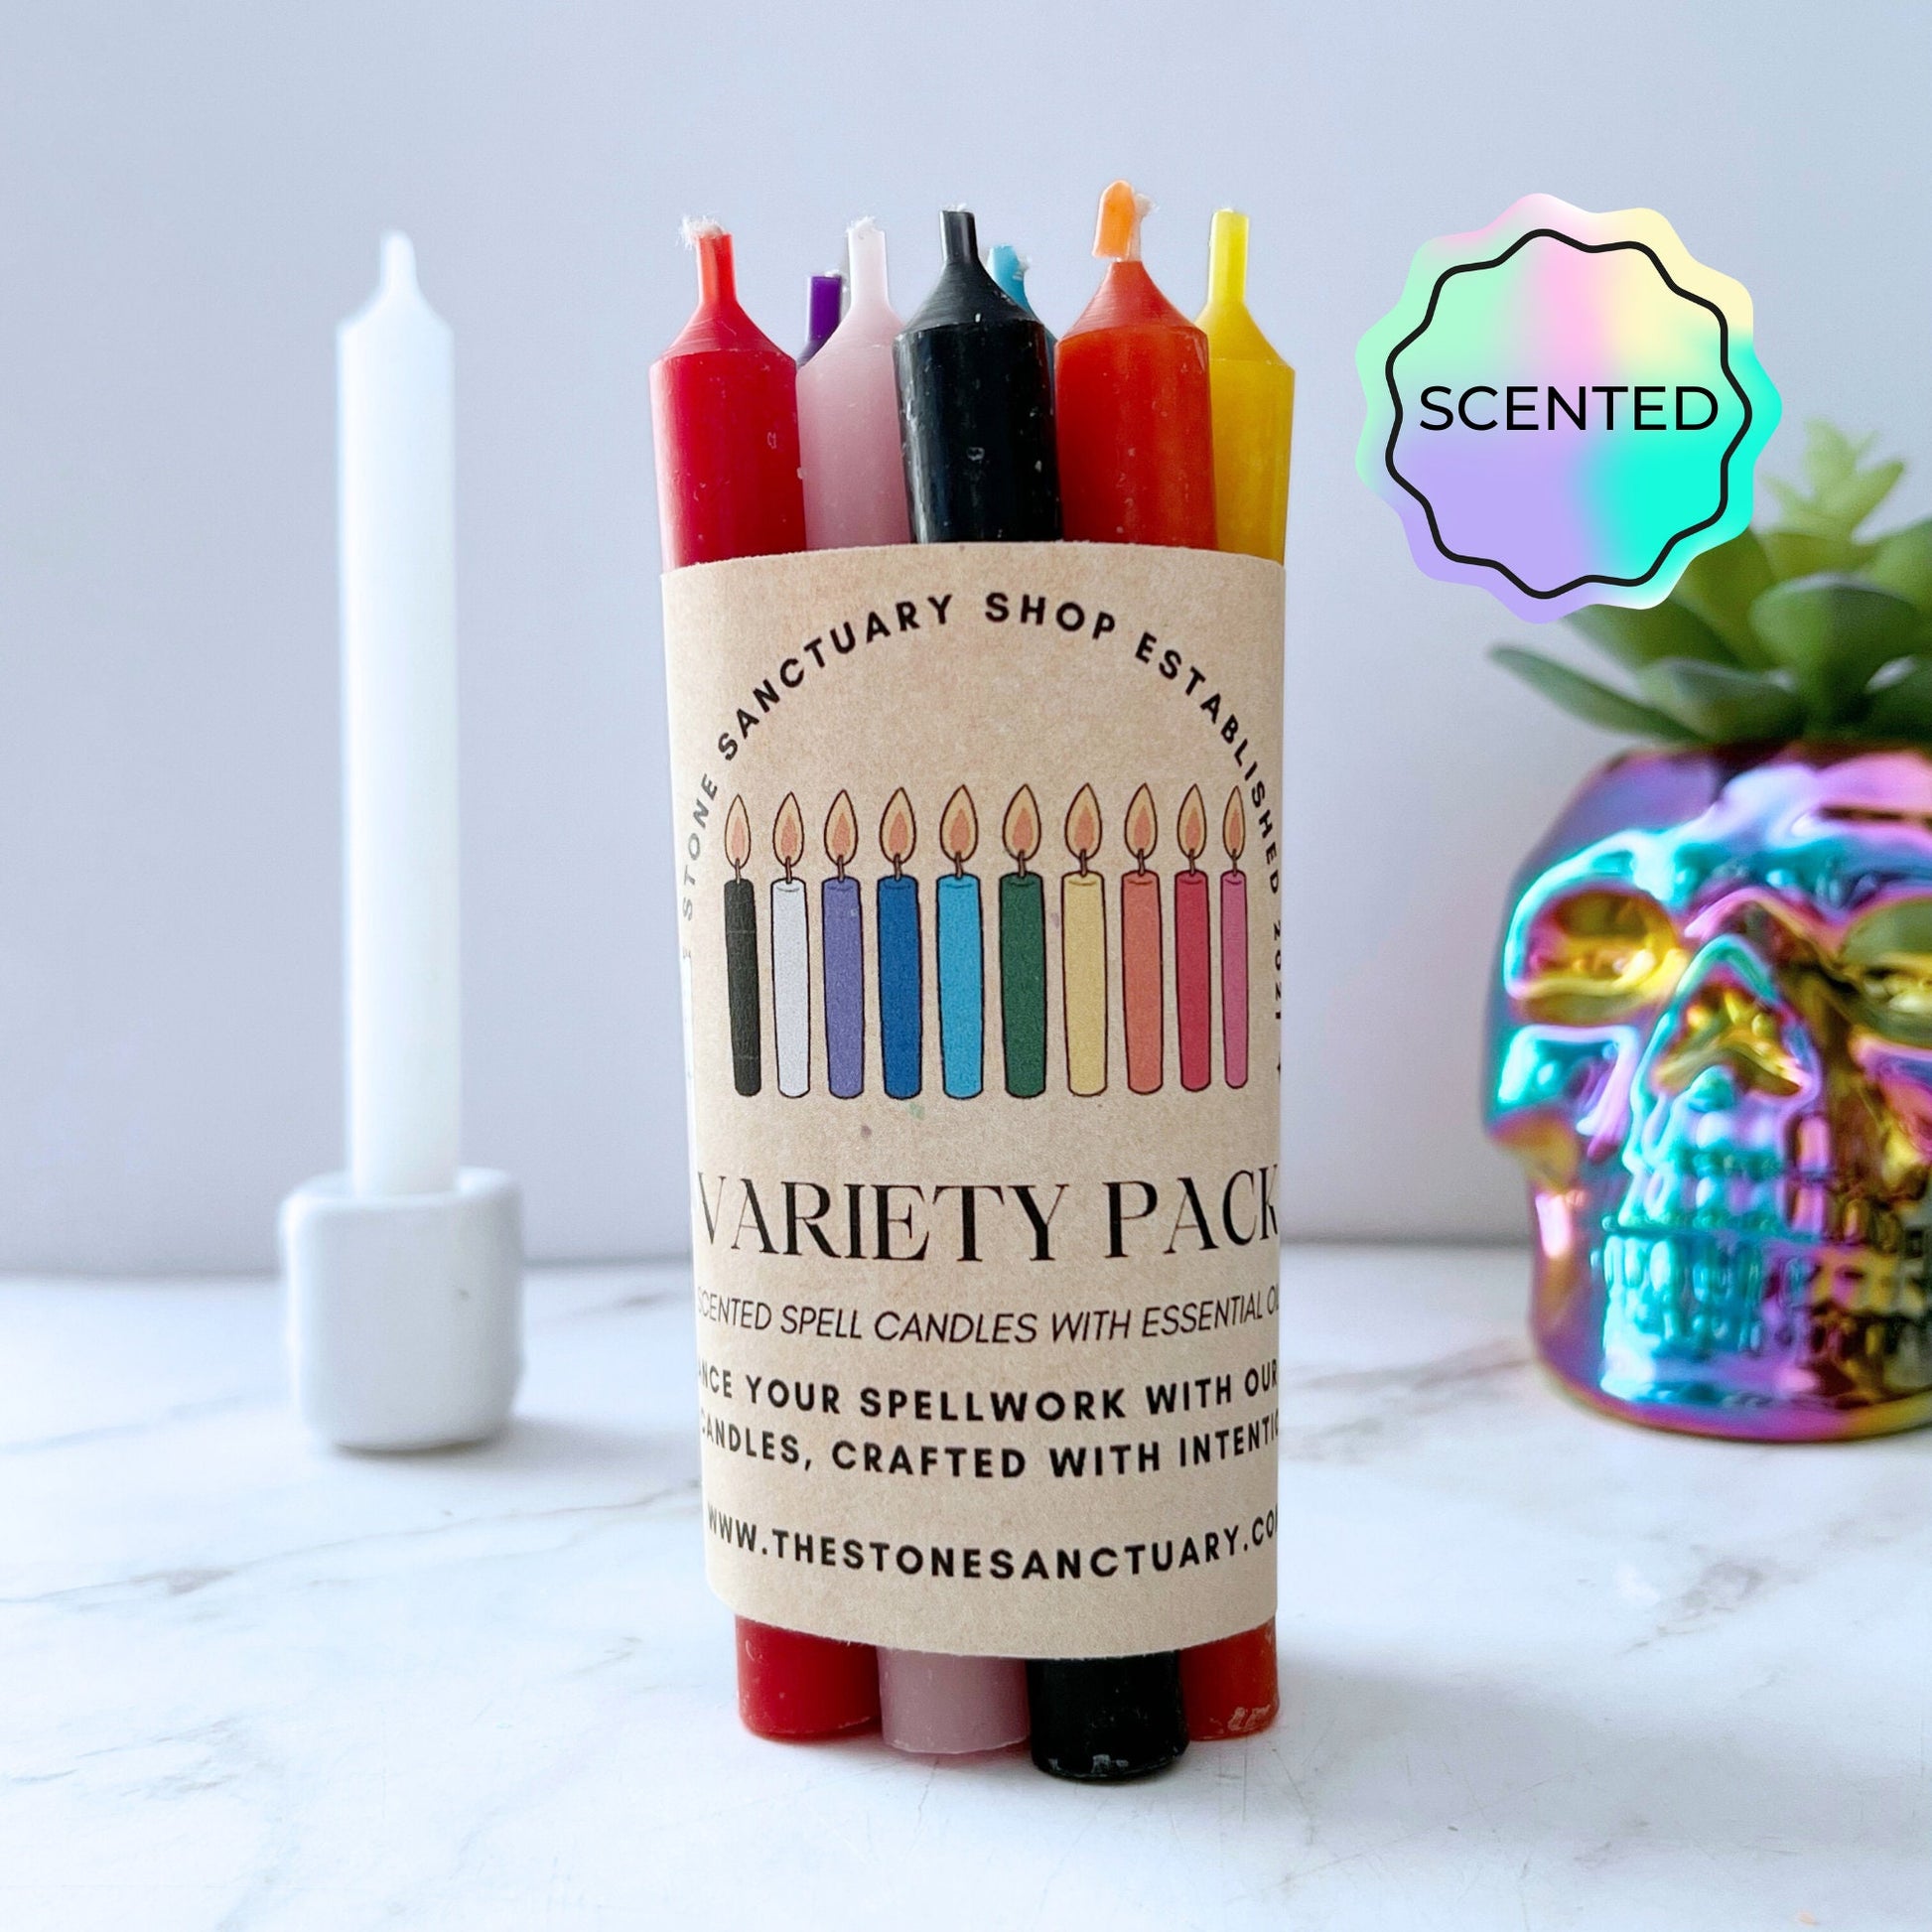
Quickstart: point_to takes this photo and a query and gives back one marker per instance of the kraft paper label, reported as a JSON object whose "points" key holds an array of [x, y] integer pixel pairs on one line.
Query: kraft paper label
{"points": [[980, 911]]}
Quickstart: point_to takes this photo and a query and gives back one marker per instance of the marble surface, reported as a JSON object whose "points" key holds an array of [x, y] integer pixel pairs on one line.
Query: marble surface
{"points": [[1541, 1670]]}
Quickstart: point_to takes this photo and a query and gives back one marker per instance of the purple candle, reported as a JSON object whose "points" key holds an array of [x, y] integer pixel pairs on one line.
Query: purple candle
{"points": [[842, 932]]}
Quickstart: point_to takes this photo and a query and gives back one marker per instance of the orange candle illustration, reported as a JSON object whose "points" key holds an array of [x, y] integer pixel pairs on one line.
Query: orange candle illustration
{"points": [[1141, 974], [1234, 946], [742, 953], [1083, 951], [1194, 998], [791, 972]]}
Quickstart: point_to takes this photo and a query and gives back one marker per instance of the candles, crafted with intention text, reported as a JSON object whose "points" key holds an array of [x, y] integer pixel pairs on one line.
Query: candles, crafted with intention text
{"points": [[842, 934], [791, 973], [1023, 954], [962, 954], [900, 1021]]}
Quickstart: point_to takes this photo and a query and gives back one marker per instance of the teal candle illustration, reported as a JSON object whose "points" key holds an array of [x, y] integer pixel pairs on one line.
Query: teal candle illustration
{"points": [[1023, 954], [962, 968], [902, 1031]]}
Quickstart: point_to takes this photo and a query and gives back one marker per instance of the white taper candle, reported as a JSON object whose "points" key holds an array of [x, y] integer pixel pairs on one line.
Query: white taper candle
{"points": [[396, 471]]}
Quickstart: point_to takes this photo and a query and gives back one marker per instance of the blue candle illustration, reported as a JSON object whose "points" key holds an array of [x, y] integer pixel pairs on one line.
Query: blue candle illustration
{"points": [[841, 933], [901, 1030], [962, 968]]}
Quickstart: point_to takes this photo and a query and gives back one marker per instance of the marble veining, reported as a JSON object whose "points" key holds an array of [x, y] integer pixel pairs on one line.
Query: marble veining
{"points": [[1541, 1670]]}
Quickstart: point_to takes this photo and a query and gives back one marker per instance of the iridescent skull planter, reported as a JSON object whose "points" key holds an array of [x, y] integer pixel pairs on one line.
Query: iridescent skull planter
{"points": [[1711, 1048]]}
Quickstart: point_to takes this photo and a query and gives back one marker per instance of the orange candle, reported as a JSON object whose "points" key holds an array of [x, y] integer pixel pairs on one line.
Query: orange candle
{"points": [[1141, 972]]}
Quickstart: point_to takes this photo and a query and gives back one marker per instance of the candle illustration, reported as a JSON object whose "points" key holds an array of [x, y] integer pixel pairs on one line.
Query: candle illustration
{"points": [[791, 972], [842, 934], [900, 964], [1023, 954], [1083, 951], [1192, 973], [1141, 974], [962, 957], [1234, 946], [742, 953]]}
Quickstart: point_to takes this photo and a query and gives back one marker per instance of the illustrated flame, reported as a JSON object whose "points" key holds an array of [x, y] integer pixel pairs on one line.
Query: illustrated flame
{"points": [[738, 835], [1143, 828], [1191, 828], [898, 831], [1083, 825], [960, 828], [788, 833], [1020, 834], [842, 832], [1234, 827]]}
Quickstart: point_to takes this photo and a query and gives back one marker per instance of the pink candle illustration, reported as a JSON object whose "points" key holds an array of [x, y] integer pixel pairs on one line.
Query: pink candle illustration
{"points": [[842, 938], [1142, 975], [1234, 946], [1194, 997], [792, 974], [1083, 951]]}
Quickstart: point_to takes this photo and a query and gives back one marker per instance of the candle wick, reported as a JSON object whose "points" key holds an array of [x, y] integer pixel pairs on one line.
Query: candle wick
{"points": [[1082, 857], [897, 863], [1020, 860], [958, 866], [839, 864]]}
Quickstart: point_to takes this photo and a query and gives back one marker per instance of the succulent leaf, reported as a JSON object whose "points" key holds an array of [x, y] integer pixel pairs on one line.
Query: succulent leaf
{"points": [[1904, 708], [1638, 638], [1722, 703], [1801, 553], [1583, 697], [1902, 562], [1720, 586], [1831, 632]]}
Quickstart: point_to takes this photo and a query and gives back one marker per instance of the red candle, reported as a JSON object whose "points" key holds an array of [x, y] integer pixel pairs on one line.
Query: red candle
{"points": [[1141, 978], [1231, 1689], [1135, 418], [1194, 997], [724, 404]]}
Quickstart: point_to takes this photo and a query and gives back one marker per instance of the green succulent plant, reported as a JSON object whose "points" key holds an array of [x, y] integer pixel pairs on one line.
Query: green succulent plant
{"points": [[1805, 629]]}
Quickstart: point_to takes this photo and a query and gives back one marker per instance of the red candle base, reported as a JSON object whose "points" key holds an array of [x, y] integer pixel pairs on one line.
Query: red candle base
{"points": [[1230, 1687], [793, 1686]]}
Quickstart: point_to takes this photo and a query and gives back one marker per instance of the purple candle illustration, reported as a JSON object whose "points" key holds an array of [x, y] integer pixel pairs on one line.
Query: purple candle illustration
{"points": [[842, 936]]}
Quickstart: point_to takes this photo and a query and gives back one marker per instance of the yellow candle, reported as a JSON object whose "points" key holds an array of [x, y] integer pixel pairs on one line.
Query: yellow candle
{"points": [[1253, 395], [1083, 952]]}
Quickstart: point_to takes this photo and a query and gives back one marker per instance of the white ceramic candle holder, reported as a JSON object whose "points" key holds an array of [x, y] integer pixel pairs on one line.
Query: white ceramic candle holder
{"points": [[405, 1315]]}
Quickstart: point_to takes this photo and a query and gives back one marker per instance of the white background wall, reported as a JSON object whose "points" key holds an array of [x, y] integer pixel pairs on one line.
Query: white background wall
{"points": [[189, 198]]}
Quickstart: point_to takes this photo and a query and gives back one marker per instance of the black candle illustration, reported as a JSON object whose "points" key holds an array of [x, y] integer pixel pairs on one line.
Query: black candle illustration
{"points": [[742, 953]]}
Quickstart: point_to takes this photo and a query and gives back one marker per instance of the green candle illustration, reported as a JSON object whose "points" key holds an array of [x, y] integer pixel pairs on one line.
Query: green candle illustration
{"points": [[1023, 954]]}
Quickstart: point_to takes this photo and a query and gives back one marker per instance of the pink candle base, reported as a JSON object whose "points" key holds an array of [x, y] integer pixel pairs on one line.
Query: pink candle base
{"points": [[947, 1706]]}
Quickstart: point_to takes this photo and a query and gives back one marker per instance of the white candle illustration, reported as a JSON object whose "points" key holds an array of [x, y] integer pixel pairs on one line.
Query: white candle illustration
{"points": [[397, 477], [792, 998]]}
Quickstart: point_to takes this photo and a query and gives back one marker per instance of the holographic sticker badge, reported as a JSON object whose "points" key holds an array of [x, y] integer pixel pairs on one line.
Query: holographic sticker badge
{"points": [[1564, 407]]}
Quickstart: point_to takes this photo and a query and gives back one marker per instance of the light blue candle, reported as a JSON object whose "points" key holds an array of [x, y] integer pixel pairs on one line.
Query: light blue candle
{"points": [[962, 967], [962, 995]]}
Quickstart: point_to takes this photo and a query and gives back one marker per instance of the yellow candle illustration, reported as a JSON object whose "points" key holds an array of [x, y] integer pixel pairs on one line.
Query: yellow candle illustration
{"points": [[1252, 393], [1083, 951]]}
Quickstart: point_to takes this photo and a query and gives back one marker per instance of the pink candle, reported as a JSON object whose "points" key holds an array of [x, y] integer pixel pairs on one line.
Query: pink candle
{"points": [[1194, 998], [848, 415], [1234, 946], [1141, 969]]}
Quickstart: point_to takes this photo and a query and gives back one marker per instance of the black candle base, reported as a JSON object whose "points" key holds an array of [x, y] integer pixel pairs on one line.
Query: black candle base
{"points": [[1104, 1719]]}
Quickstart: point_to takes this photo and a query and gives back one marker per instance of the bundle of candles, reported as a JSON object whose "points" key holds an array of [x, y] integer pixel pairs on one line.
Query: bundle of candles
{"points": [[969, 424]]}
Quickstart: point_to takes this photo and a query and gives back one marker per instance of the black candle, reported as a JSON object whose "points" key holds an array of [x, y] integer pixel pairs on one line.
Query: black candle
{"points": [[742, 954], [975, 407], [1102, 1719]]}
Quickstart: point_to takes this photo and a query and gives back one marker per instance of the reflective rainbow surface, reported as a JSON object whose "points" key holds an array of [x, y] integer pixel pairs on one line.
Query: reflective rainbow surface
{"points": [[1711, 1048]]}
